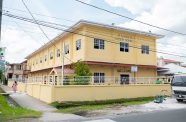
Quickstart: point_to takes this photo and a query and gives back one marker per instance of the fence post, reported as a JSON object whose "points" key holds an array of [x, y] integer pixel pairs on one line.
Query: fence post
{"points": [[92, 77]]}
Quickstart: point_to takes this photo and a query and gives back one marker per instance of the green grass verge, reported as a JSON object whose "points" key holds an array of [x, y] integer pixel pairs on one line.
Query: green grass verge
{"points": [[78, 107], [8, 112]]}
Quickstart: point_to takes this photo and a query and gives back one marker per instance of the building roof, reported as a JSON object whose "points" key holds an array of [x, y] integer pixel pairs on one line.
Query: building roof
{"points": [[174, 69], [85, 22], [171, 61]]}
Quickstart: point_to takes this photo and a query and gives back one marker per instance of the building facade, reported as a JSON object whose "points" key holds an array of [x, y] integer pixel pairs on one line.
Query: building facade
{"points": [[108, 50], [17, 71], [162, 62]]}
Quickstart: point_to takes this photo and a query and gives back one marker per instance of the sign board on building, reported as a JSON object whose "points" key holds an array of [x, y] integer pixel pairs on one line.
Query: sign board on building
{"points": [[123, 70], [134, 68]]}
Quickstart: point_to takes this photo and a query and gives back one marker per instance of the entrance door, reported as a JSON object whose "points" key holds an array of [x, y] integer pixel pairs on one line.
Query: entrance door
{"points": [[124, 79]]}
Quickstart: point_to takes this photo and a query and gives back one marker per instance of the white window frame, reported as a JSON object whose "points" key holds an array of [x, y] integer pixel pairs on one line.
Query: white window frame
{"points": [[58, 52], [99, 77], [51, 55], [45, 58], [67, 49], [99, 43], [124, 46], [78, 44], [144, 49], [40, 59], [36, 61]]}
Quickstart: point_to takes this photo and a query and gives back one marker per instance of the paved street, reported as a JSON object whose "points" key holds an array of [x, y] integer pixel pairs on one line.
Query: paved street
{"points": [[178, 115], [163, 116]]}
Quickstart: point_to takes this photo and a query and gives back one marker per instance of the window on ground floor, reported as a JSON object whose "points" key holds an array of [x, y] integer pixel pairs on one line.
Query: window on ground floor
{"points": [[99, 77]]}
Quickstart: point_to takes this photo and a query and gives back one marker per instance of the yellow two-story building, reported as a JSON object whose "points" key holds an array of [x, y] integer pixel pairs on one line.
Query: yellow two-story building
{"points": [[109, 51]]}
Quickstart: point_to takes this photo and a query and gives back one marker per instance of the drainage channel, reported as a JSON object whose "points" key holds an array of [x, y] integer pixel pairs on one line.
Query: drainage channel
{"points": [[9, 100]]}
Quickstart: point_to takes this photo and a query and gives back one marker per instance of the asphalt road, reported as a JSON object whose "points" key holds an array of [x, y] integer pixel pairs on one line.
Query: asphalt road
{"points": [[178, 115]]}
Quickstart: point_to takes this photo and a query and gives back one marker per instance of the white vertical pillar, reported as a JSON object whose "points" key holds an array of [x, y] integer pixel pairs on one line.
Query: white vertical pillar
{"points": [[63, 57]]}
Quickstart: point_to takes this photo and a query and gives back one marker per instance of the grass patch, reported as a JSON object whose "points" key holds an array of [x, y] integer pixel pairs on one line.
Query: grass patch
{"points": [[8, 112], [83, 107]]}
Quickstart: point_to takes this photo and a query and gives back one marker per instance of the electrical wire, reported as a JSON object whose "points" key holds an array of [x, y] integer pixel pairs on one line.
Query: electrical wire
{"points": [[68, 31], [144, 23]]}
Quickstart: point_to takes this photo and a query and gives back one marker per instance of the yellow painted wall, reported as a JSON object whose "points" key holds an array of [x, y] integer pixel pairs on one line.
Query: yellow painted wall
{"points": [[48, 93], [91, 93], [73, 55], [111, 53], [117, 71]]}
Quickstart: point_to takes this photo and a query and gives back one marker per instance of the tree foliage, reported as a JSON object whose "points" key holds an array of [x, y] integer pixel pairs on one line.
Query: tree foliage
{"points": [[2, 78], [82, 73], [81, 69]]}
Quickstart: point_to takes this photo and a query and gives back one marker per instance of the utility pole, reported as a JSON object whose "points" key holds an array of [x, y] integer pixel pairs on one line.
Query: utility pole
{"points": [[1, 9], [2, 63]]}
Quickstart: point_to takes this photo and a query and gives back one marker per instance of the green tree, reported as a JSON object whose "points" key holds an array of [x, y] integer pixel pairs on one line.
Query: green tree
{"points": [[82, 73], [2, 78]]}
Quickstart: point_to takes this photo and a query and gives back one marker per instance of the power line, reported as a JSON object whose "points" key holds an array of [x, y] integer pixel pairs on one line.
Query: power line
{"points": [[94, 33], [54, 27], [21, 26], [35, 21], [108, 11], [57, 18], [38, 24], [26, 32], [74, 21]]}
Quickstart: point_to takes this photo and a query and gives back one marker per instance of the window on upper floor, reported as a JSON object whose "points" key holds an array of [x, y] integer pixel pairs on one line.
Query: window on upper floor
{"points": [[124, 47], [78, 44], [45, 58], [67, 49], [58, 52], [40, 59], [99, 77], [18, 67], [51, 55], [145, 49], [36, 61], [99, 43]]}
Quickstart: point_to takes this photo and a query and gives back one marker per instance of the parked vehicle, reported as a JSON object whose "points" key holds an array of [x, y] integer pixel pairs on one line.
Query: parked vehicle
{"points": [[179, 87]]}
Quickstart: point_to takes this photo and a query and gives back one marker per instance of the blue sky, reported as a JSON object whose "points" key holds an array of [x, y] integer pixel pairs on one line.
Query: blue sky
{"points": [[169, 14]]}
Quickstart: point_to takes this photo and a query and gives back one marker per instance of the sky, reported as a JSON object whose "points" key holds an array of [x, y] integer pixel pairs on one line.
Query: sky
{"points": [[22, 38]]}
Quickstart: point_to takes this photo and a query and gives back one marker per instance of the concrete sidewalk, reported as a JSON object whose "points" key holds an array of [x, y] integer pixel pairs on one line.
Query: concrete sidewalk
{"points": [[29, 102]]}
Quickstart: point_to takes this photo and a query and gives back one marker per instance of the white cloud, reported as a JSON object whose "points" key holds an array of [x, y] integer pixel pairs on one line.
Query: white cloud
{"points": [[17, 48], [133, 6], [169, 14]]}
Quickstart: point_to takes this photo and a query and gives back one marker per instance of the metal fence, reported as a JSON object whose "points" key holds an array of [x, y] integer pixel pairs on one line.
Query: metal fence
{"points": [[95, 80]]}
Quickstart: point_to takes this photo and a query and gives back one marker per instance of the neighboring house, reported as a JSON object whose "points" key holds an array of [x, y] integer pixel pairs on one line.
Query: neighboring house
{"points": [[108, 50], [162, 62], [18, 71], [171, 69], [183, 65]]}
